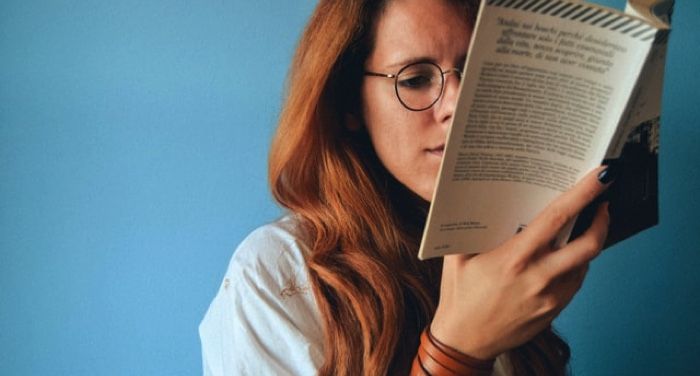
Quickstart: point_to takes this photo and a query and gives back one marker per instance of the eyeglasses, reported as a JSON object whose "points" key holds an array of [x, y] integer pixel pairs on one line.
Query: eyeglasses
{"points": [[419, 85]]}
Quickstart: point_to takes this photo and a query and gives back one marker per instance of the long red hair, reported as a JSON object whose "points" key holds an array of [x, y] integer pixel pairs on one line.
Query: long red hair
{"points": [[364, 227]]}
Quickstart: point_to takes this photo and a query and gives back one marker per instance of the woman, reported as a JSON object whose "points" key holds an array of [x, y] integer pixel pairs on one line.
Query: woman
{"points": [[335, 287]]}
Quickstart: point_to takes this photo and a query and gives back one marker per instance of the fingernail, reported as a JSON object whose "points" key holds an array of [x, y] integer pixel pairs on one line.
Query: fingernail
{"points": [[609, 174]]}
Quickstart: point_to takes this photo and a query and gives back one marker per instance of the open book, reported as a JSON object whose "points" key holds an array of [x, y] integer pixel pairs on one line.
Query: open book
{"points": [[552, 89]]}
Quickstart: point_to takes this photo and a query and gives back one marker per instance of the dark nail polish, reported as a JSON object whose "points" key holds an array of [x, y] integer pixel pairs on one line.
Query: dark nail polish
{"points": [[610, 173]]}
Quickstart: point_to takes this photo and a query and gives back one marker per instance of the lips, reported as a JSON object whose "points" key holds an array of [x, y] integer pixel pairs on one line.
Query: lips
{"points": [[437, 150]]}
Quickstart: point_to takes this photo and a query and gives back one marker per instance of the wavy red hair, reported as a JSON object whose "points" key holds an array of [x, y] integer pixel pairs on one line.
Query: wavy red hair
{"points": [[363, 226]]}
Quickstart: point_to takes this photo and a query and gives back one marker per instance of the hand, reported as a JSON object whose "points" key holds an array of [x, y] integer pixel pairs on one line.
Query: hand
{"points": [[495, 301]]}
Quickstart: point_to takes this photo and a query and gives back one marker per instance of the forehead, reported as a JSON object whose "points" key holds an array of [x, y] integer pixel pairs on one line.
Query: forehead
{"points": [[419, 28]]}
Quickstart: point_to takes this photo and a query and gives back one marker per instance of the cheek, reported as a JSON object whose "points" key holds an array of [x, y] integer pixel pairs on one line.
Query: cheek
{"points": [[389, 129], [398, 137], [384, 120]]}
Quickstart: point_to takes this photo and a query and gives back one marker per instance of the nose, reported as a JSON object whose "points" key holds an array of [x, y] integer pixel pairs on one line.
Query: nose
{"points": [[455, 71], [450, 93]]}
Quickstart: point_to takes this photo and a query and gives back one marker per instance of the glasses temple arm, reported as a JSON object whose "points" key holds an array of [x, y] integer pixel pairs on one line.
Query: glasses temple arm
{"points": [[375, 74]]}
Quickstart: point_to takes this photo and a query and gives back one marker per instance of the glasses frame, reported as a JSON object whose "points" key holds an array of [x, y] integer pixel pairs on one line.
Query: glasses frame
{"points": [[444, 73]]}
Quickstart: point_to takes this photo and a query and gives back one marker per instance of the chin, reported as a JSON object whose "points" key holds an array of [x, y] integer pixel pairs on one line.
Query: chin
{"points": [[425, 188], [426, 193]]}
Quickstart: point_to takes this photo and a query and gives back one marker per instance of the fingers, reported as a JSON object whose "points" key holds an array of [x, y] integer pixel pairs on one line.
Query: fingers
{"points": [[580, 251], [563, 210], [571, 281], [560, 294]]}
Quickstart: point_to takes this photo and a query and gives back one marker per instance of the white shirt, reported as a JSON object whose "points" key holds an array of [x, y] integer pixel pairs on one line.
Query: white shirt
{"points": [[264, 319]]}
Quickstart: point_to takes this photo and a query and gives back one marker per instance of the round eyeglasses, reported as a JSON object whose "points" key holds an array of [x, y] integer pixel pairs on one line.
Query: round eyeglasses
{"points": [[419, 85]]}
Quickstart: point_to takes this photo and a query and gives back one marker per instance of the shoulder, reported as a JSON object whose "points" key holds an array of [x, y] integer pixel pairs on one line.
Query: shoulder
{"points": [[274, 252], [273, 258], [264, 318]]}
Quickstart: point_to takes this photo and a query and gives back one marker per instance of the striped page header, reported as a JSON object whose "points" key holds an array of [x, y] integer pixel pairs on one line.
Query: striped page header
{"points": [[587, 14]]}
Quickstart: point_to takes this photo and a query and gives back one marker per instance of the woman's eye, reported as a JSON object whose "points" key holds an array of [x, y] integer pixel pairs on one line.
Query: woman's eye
{"points": [[420, 81]]}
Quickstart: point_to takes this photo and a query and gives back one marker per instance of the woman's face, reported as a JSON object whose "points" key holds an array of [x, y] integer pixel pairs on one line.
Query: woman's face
{"points": [[410, 144]]}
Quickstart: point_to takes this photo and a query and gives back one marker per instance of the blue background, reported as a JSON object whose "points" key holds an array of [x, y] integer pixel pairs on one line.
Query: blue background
{"points": [[133, 144]]}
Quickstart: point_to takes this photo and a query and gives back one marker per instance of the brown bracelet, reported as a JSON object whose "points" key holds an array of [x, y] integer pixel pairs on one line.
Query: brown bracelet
{"points": [[434, 358]]}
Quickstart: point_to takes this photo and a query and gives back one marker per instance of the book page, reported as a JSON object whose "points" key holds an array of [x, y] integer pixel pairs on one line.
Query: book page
{"points": [[634, 197], [546, 85], [645, 103]]}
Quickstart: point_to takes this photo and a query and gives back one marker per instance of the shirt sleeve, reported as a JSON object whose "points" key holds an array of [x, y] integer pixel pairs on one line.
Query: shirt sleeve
{"points": [[264, 319]]}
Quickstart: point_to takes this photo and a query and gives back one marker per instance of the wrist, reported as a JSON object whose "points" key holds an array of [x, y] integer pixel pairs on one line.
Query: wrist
{"points": [[436, 359], [464, 341]]}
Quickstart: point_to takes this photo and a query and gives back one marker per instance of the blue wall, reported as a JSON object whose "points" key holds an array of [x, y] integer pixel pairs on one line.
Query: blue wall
{"points": [[133, 142]]}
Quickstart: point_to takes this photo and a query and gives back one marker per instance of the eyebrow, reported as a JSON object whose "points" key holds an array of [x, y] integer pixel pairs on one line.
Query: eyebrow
{"points": [[420, 59], [411, 60]]}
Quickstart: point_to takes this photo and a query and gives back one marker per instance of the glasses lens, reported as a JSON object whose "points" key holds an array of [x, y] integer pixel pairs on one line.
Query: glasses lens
{"points": [[419, 85]]}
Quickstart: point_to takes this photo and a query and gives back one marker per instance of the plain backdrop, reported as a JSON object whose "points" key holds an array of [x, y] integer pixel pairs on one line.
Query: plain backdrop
{"points": [[133, 144]]}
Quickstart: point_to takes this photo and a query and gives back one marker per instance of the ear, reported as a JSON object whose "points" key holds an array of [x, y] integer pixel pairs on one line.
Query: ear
{"points": [[352, 123]]}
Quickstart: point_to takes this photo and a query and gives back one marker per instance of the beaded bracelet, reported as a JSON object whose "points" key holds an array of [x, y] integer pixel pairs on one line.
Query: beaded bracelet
{"points": [[434, 358]]}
